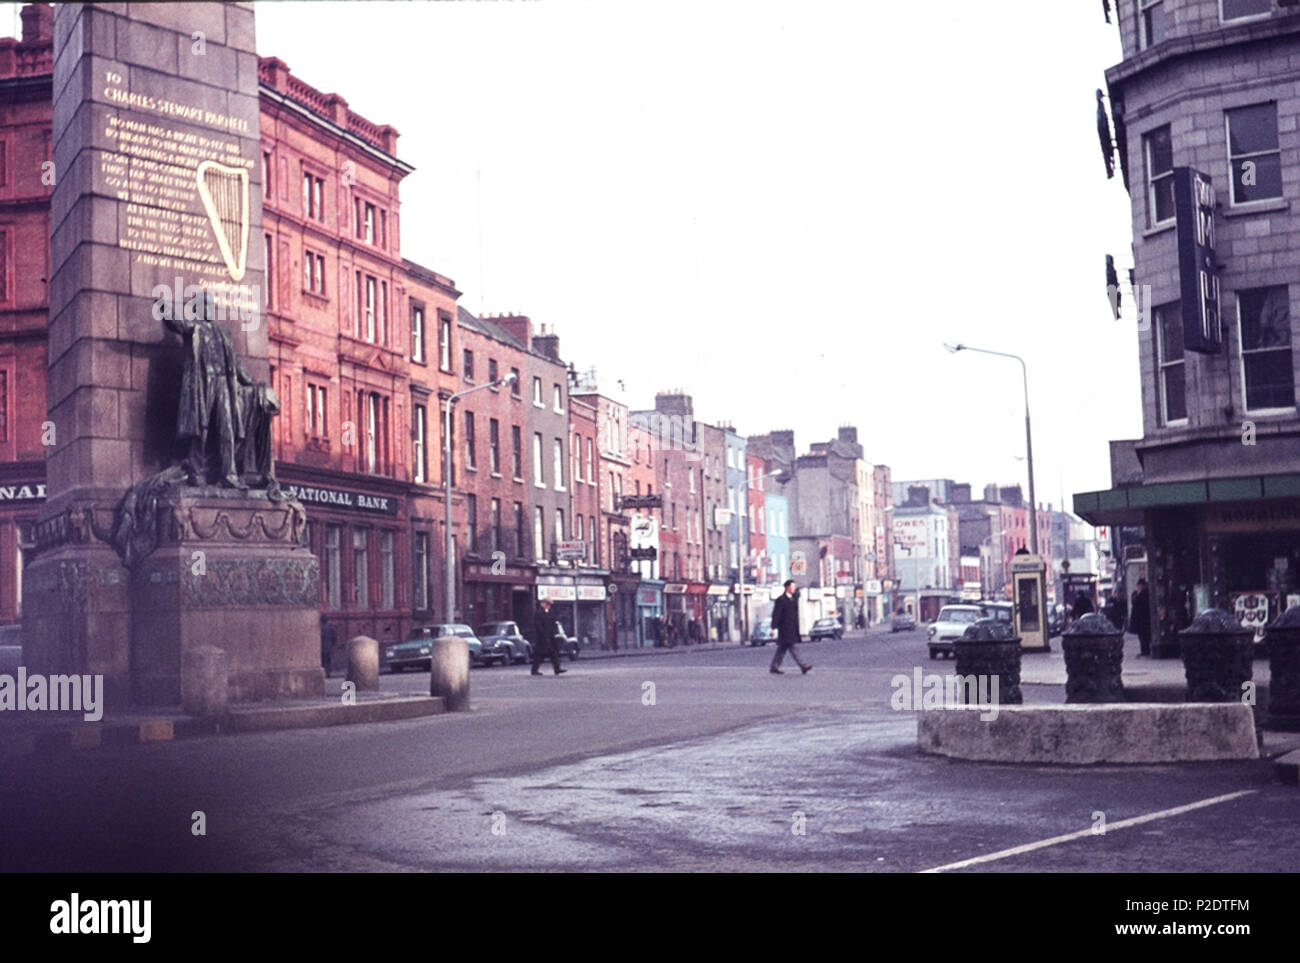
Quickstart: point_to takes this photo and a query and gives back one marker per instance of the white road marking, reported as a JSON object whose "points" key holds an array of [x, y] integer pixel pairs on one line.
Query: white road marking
{"points": [[1110, 827]]}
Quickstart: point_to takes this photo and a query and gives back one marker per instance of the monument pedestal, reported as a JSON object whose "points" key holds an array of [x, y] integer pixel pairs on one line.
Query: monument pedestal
{"points": [[230, 571]]}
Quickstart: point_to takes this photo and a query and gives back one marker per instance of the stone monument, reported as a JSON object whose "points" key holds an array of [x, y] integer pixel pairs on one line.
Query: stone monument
{"points": [[164, 529]]}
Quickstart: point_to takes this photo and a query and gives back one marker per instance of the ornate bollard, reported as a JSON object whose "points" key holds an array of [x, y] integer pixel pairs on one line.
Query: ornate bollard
{"points": [[1094, 660], [363, 663], [449, 672], [991, 648], [1284, 672], [1217, 654]]}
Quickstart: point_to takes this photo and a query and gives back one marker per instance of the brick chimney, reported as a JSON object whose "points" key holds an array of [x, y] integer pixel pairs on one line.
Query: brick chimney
{"points": [[38, 23], [547, 343], [918, 495], [991, 493], [961, 493], [674, 403], [849, 434], [520, 327]]}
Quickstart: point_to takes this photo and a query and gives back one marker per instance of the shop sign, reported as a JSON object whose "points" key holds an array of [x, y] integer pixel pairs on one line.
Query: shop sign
{"points": [[555, 593], [22, 493], [647, 597], [342, 498], [591, 593], [1252, 610], [1263, 517]]}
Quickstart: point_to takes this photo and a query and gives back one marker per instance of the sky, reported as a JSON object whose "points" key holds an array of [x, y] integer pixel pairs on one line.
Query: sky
{"points": [[784, 209]]}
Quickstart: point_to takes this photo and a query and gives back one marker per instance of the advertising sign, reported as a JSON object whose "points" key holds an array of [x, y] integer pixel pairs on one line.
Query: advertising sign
{"points": [[912, 535], [1198, 276], [1252, 610], [574, 549]]}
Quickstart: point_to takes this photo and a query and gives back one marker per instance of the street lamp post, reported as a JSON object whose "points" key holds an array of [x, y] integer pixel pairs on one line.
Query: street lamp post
{"points": [[1029, 438], [449, 575]]}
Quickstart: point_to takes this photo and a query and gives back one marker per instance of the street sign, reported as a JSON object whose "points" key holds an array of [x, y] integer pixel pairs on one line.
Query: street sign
{"points": [[575, 549], [640, 501], [798, 564]]}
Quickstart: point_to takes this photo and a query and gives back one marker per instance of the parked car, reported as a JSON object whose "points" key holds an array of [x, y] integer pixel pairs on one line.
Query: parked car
{"points": [[1055, 621], [902, 622], [762, 633], [568, 644], [826, 629], [998, 611], [948, 628], [416, 650], [505, 635]]}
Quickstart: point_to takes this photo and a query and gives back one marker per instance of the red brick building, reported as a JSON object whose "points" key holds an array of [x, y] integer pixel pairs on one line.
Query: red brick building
{"points": [[26, 183]]}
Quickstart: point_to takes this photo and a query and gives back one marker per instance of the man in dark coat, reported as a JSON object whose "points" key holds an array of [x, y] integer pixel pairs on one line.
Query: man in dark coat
{"points": [[545, 627], [1140, 616], [1082, 606], [785, 620]]}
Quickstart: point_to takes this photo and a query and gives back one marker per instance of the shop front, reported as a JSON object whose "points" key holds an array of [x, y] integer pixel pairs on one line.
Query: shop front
{"points": [[624, 628], [721, 605], [496, 592], [1225, 543], [649, 610], [579, 602]]}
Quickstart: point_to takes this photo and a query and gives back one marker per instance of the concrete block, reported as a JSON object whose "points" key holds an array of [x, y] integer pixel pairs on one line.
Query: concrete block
{"points": [[449, 672], [205, 681], [1085, 734], [363, 663]]}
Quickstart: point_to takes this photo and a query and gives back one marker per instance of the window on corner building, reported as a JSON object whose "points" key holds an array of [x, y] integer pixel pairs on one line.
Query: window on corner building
{"points": [[1159, 152], [469, 364], [1151, 23], [1253, 153], [444, 342], [1240, 9], [313, 196], [1268, 380], [369, 224], [1170, 363], [417, 332]]}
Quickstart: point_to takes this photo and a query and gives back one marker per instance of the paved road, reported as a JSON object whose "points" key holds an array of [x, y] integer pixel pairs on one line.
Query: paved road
{"points": [[730, 768]]}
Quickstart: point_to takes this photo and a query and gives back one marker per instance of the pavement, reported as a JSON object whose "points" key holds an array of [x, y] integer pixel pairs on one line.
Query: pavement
{"points": [[694, 760]]}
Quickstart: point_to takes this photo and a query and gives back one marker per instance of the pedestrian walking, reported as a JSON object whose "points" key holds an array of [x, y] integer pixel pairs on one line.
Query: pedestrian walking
{"points": [[545, 628], [785, 620], [1140, 617], [1082, 606]]}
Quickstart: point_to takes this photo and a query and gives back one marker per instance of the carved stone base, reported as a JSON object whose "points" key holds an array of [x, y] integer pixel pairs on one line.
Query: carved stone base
{"points": [[230, 572]]}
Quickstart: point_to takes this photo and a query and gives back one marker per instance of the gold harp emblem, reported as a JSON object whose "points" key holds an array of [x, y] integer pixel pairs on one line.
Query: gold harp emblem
{"points": [[224, 191]]}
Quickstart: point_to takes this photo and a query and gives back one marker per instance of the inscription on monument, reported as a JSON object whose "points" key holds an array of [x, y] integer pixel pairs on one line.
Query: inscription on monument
{"points": [[186, 192]]}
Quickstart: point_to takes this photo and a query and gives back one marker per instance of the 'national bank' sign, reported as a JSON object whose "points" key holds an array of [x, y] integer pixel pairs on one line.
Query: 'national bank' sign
{"points": [[1197, 275], [339, 498]]}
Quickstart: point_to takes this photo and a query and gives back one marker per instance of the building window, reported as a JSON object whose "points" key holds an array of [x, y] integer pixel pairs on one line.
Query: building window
{"points": [[493, 373], [372, 433], [420, 570], [514, 383], [538, 474], [383, 229], [444, 342], [369, 222], [539, 532], [266, 175], [313, 197], [369, 309], [1253, 153], [557, 464], [313, 271], [471, 522], [333, 566], [494, 446], [516, 453], [361, 568], [537, 392], [520, 547], [471, 462], [595, 543], [417, 332], [557, 398], [316, 418], [469, 364], [1268, 381], [1240, 9], [421, 470], [1169, 358], [383, 312], [591, 469], [577, 521], [1151, 23], [495, 508], [270, 273], [1159, 152], [559, 524], [387, 572]]}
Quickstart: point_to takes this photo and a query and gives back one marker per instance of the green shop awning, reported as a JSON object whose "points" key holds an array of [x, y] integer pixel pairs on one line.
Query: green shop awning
{"points": [[1124, 506]]}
